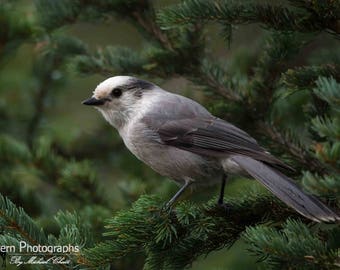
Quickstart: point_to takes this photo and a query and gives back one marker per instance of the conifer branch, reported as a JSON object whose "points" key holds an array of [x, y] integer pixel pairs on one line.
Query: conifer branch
{"points": [[13, 31], [214, 77], [184, 233], [326, 185], [295, 246], [55, 50], [279, 49], [75, 178], [302, 155], [234, 13], [147, 21], [305, 77], [15, 219]]}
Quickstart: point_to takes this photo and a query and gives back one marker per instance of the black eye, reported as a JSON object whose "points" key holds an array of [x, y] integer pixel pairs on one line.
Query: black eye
{"points": [[116, 92]]}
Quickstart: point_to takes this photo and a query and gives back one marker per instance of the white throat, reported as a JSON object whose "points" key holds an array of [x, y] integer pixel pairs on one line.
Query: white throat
{"points": [[116, 118], [123, 117]]}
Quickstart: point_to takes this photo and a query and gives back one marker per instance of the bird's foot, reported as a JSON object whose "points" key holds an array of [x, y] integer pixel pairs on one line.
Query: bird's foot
{"points": [[166, 208], [225, 206]]}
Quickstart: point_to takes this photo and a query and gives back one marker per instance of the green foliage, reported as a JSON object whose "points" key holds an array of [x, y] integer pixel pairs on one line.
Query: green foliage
{"points": [[329, 90], [73, 228], [111, 60], [15, 28], [17, 222], [278, 49], [295, 246], [327, 185], [327, 127], [270, 16], [12, 150], [305, 77], [174, 239]]}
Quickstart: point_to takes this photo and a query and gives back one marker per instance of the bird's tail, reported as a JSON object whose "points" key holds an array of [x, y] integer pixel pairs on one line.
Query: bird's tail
{"points": [[286, 190]]}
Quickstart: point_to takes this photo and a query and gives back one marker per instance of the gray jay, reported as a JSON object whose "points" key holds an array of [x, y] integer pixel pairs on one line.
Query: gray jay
{"points": [[180, 139]]}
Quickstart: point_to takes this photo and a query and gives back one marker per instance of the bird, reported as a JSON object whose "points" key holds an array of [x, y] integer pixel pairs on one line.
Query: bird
{"points": [[180, 139]]}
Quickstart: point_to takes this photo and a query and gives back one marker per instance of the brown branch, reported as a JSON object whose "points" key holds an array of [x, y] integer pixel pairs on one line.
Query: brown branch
{"points": [[219, 88], [16, 227], [149, 25], [39, 111]]}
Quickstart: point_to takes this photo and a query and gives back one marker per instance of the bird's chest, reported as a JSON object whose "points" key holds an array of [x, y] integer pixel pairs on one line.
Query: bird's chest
{"points": [[137, 140], [143, 145]]}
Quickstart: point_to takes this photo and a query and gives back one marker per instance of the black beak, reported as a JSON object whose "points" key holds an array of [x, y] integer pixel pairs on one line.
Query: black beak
{"points": [[93, 101]]}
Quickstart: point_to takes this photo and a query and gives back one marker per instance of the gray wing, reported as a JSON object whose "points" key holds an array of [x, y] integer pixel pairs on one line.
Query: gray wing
{"points": [[209, 136]]}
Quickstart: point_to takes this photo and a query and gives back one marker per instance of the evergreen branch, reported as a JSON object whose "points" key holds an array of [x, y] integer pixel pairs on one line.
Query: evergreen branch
{"points": [[327, 127], [139, 12], [215, 78], [305, 77], [295, 246], [55, 14], [328, 89], [95, 149], [9, 182], [279, 48], [17, 221], [7, 240], [326, 10], [39, 109], [48, 11], [79, 180], [4, 116], [74, 230], [185, 233], [326, 185], [55, 51], [234, 13], [14, 31], [75, 178], [12, 150], [111, 60], [303, 156], [329, 153], [147, 21]]}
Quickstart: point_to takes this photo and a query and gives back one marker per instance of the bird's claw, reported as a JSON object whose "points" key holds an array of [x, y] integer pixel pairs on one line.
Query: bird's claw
{"points": [[166, 208], [225, 206]]}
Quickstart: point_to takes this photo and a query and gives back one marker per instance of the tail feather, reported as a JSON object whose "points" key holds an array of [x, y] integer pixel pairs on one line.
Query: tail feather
{"points": [[286, 190]]}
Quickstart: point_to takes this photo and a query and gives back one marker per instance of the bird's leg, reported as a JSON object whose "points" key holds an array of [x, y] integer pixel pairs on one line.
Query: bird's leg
{"points": [[224, 180], [220, 201], [178, 193]]}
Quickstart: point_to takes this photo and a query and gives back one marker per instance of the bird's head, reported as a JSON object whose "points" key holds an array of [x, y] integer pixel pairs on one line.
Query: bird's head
{"points": [[116, 97]]}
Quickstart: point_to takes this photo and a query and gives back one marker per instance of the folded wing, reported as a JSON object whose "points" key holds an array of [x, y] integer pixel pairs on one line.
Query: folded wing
{"points": [[211, 136], [217, 138]]}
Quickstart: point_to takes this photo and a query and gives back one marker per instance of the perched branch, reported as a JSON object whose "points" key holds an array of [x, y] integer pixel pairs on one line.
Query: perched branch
{"points": [[177, 238]]}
